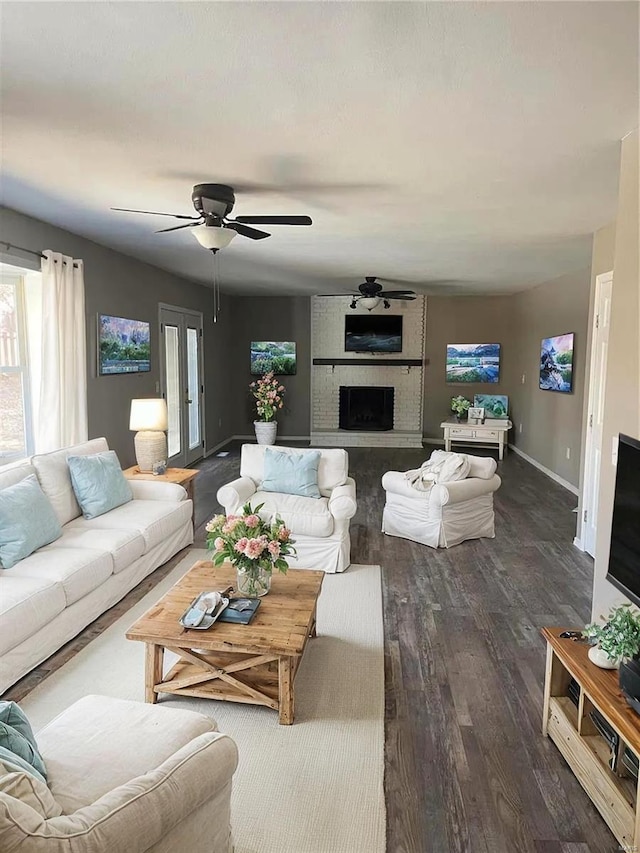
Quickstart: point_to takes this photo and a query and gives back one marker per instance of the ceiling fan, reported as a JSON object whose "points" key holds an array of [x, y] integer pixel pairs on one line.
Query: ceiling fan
{"points": [[370, 294], [212, 227]]}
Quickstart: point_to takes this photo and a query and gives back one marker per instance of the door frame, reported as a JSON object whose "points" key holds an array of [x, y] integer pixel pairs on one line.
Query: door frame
{"points": [[199, 318], [590, 472]]}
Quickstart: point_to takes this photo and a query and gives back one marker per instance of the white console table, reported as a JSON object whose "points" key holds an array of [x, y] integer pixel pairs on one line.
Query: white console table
{"points": [[492, 433]]}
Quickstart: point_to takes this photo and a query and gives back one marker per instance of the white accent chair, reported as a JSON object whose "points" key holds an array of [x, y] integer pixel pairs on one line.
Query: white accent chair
{"points": [[447, 514], [319, 526]]}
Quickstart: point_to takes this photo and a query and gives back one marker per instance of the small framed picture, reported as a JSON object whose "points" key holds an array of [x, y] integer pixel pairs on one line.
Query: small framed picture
{"points": [[476, 415]]}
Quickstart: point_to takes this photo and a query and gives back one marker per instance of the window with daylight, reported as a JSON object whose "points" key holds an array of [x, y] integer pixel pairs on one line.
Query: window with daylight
{"points": [[16, 405]]}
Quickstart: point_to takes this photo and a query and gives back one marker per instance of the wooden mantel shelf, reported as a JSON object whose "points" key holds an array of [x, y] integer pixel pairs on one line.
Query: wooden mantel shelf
{"points": [[382, 362]]}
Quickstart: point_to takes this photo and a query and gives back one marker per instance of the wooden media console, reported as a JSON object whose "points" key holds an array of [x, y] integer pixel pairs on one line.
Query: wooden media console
{"points": [[599, 768]]}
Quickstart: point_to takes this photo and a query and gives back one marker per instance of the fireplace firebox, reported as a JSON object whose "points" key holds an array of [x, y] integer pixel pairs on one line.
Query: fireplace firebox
{"points": [[366, 408]]}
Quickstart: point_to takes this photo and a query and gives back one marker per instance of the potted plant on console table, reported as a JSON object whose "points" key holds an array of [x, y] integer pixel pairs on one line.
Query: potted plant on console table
{"points": [[617, 640], [460, 405], [268, 394]]}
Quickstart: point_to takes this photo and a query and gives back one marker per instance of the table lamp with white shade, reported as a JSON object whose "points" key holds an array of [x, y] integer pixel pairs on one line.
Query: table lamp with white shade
{"points": [[149, 420]]}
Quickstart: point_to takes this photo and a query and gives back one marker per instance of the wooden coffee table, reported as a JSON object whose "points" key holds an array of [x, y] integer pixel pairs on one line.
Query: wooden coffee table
{"points": [[254, 663]]}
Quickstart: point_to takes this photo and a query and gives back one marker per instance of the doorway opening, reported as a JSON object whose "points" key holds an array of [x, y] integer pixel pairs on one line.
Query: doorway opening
{"points": [[182, 384]]}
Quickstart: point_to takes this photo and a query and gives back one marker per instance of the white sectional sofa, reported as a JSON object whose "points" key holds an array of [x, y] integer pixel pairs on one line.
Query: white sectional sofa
{"points": [[320, 526], [50, 596], [125, 777]]}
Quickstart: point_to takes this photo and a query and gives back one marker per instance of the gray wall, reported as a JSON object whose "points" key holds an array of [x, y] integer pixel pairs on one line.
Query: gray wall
{"points": [[123, 286], [272, 318], [119, 285], [462, 320], [551, 421]]}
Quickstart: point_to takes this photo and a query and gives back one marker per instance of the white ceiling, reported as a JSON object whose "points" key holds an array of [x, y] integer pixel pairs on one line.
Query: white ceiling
{"points": [[485, 136]]}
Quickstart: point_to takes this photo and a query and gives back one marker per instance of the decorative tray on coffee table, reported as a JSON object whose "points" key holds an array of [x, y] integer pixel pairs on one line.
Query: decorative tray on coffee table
{"points": [[204, 610]]}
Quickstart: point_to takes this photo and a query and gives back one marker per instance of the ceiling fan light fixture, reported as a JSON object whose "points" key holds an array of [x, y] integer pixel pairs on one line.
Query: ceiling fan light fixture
{"points": [[369, 302], [213, 237], [353, 304]]}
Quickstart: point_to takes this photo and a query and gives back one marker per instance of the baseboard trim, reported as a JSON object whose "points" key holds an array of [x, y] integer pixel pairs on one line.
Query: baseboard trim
{"points": [[252, 437], [438, 441], [578, 543], [558, 479]]}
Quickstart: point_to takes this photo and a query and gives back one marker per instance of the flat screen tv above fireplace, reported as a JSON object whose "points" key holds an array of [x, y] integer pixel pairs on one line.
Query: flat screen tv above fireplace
{"points": [[373, 333]]}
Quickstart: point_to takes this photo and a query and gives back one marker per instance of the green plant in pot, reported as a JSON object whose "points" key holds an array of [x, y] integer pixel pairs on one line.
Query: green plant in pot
{"points": [[618, 639], [460, 405]]}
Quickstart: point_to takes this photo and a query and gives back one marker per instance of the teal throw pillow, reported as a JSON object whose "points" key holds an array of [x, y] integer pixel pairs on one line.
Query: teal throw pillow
{"points": [[98, 483], [17, 743], [291, 473], [27, 521]]}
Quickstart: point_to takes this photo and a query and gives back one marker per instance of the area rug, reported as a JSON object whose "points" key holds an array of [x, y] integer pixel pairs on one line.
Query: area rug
{"points": [[313, 787]]}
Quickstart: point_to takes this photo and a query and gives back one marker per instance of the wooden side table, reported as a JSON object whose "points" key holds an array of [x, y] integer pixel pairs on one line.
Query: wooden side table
{"points": [[491, 433], [181, 476]]}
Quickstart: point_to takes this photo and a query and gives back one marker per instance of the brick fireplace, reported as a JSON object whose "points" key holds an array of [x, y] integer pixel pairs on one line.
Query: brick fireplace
{"points": [[333, 368]]}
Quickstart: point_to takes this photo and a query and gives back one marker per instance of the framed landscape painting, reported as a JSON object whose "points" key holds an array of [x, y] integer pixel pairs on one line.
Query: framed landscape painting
{"points": [[494, 405], [278, 357], [556, 363], [123, 345], [473, 362]]}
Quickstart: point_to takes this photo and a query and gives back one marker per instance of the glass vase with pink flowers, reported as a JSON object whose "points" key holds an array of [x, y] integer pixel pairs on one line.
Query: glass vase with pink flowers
{"points": [[254, 546]]}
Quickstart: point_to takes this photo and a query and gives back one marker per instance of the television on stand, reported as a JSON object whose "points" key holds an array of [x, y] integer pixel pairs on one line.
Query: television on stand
{"points": [[624, 554]]}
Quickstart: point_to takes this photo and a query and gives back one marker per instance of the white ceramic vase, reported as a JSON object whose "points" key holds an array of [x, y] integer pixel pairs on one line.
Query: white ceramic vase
{"points": [[266, 431], [601, 659]]}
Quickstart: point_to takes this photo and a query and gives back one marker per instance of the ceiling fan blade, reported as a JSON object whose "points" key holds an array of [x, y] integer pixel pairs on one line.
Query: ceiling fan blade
{"points": [[252, 233], [154, 213], [350, 294], [397, 281], [397, 294], [274, 220], [282, 183], [177, 227]]}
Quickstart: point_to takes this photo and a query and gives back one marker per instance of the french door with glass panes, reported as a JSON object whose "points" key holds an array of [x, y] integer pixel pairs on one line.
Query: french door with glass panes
{"points": [[182, 387]]}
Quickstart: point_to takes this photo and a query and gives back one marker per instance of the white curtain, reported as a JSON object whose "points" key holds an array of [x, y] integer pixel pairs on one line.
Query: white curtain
{"points": [[61, 398]]}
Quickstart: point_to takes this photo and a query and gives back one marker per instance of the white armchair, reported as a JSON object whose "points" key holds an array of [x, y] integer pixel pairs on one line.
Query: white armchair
{"points": [[319, 526], [448, 513]]}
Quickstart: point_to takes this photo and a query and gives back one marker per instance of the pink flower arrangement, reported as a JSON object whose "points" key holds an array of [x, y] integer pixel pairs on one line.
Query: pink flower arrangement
{"points": [[269, 396], [249, 542]]}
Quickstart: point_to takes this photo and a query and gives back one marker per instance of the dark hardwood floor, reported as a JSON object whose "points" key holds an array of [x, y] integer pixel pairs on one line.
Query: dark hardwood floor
{"points": [[466, 768]]}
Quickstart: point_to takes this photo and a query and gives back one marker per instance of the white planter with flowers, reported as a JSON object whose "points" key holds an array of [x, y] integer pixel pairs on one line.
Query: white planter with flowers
{"points": [[266, 431], [269, 395]]}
